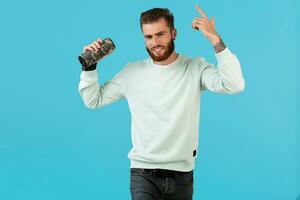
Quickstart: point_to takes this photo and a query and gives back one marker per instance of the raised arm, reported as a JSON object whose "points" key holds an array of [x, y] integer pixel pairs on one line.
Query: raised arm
{"points": [[95, 95], [227, 76]]}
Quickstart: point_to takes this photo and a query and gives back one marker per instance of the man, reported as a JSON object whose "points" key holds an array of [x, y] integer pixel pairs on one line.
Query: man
{"points": [[163, 94]]}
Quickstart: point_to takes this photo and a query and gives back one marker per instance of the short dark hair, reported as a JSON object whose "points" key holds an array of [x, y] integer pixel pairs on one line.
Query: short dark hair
{"points": [[154, 14]]}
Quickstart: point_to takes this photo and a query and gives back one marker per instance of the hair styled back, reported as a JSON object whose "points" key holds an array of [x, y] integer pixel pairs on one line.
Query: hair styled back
{"points": [[155, 14]]}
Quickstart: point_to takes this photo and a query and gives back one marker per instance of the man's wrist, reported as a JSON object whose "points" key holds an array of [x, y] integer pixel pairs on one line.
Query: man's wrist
{"points": [[218, 45], [214, 39]]}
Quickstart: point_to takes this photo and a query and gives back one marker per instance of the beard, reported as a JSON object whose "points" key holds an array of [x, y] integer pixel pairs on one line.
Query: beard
{"points": [[168, 50]]}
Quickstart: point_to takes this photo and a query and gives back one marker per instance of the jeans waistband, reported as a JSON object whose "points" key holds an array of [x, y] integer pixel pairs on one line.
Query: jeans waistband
{"points": [[159, 172]]}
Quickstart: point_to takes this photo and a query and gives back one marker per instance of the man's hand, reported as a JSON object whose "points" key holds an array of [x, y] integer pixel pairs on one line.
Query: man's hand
{"points": [[207, 26], [95, 46]]}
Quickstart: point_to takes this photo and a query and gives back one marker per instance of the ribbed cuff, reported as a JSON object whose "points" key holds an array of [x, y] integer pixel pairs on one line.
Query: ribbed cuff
{"points": [[90, 68], [223, 55]]}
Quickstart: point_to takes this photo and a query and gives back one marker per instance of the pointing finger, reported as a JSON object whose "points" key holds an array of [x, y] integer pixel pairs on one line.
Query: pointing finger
{"points": [[200, 11]]}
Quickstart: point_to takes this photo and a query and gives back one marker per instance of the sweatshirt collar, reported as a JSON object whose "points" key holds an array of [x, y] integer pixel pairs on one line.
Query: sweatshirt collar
{"points": [[163, 67]]}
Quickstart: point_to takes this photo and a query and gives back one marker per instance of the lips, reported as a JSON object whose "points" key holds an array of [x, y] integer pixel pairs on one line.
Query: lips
{"points": [[157, 49]]}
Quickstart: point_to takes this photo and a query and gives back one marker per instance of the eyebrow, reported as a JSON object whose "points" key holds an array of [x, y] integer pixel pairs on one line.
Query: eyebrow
{"points": [[155, 34]]}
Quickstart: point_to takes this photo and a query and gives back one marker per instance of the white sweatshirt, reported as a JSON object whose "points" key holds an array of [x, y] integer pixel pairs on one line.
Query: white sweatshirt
{"points": [[164, 103]]}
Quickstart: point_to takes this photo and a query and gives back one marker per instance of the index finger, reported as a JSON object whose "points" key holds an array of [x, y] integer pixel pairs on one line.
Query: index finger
{"points": [[201, 11]]}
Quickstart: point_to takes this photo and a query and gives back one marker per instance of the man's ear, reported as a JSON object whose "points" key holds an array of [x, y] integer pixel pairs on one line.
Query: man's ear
{"points": [[174, 33]]}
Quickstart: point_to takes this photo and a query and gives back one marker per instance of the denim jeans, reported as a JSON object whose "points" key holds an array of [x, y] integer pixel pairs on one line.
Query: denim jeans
{"points": [[148, 185]]}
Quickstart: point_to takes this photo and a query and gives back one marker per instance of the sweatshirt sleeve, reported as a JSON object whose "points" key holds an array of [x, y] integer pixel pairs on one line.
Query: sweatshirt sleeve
{"points": [[95, 95], [226, 77]]}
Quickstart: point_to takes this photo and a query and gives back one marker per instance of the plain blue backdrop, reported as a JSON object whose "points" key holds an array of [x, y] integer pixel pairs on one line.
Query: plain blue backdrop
{"points": [[52, 147]]}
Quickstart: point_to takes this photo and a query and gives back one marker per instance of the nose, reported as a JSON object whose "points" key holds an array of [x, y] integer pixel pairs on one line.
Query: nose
{"points": [[155, 42]]}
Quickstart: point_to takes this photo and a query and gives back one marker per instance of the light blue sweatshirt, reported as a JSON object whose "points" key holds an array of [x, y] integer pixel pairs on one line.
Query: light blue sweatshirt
{"points": [[164, 103]]}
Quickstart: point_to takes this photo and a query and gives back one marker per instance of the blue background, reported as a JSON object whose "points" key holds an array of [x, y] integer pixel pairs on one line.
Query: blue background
{"points": [[52, 147]]}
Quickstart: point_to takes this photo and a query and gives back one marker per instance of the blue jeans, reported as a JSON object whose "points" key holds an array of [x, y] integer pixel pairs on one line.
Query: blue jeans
{"points": [[156, 185]]}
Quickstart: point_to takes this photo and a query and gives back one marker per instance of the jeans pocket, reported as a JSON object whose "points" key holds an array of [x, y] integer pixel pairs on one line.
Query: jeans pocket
{"points": [[185, 178], [138, 178]]}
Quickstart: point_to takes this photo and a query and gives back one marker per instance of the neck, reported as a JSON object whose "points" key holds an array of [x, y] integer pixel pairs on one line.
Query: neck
{"points": [[169, 60]]}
